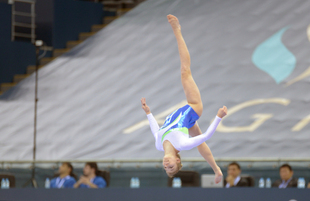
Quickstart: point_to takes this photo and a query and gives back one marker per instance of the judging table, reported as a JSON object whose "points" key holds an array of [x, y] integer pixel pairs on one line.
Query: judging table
{"points": [[158, 194]]}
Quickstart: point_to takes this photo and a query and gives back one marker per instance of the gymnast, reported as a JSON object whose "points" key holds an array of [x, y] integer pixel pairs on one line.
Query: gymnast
{"points": [[173, 136]]}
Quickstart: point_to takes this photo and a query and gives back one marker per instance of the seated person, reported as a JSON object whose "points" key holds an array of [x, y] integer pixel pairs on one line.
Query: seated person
{"points": [[66, 177], [89, 179], [287, 180], [233, 178]]}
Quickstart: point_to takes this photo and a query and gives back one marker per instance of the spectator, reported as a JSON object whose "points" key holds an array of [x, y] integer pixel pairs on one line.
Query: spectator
{"points": [[90, 178], [66, 177], [287, 180], [233, 178]]}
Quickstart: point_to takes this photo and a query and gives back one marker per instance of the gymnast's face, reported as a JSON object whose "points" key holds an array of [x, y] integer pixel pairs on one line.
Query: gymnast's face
{"points": [[170, 164]]}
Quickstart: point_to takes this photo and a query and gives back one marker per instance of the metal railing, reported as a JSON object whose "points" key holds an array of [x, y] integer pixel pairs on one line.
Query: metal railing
{"points": [[200, 159], [157, 163]]}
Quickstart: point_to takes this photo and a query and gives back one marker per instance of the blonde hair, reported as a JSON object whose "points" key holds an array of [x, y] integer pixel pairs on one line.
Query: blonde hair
{"points": [[178, 169]]}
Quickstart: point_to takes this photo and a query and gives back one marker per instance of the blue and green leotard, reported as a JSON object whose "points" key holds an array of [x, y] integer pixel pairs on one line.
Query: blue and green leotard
{"points": [[175, 129]]}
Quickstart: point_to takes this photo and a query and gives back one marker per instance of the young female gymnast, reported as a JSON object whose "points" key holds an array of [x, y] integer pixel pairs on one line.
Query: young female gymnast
{"points": [[173, 137]]}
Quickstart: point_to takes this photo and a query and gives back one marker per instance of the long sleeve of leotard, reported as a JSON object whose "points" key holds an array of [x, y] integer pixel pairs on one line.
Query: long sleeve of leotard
{"points": [[153, 124], [198, 140]]}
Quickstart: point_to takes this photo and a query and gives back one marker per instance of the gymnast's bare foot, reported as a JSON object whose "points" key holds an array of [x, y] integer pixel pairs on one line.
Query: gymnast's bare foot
{"points": [[174, 22]]}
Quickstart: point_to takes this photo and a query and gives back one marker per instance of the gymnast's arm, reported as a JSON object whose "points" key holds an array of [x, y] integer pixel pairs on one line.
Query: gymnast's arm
{"points": [[153, 123], [198, 140]]}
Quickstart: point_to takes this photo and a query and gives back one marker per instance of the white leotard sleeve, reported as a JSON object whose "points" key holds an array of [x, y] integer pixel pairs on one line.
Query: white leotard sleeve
{"points": [[198, 140], [153, 124]]}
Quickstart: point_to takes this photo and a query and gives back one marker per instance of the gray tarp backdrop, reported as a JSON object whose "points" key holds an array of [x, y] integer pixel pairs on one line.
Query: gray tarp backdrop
{"points": [[252, 56]]}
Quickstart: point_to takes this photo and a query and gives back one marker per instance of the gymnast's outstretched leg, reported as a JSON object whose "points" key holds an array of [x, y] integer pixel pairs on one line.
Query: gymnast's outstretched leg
{"points": [[190, 88], [206, 153]]}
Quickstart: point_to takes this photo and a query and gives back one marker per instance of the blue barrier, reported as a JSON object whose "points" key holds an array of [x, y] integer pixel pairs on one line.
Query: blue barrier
{"points": [[156, 194]]}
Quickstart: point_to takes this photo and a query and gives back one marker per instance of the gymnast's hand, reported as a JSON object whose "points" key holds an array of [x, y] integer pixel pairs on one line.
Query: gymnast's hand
{"points": [[222, 112], [145, 107]]}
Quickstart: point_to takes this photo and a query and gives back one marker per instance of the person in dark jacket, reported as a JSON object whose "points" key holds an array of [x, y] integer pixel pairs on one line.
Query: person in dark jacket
{"points": [[287, 180], [233, 178]]}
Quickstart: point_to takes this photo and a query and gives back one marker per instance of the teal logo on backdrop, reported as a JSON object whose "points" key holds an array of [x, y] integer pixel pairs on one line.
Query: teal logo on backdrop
{"points": [[274, 58]]}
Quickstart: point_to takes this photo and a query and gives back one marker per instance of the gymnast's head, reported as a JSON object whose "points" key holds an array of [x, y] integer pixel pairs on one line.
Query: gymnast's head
{"points": [[172, 164]]}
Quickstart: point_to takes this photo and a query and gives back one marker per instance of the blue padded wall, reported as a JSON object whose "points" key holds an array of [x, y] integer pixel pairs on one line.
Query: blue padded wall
{"points": [[73, 17], [14, 56]]}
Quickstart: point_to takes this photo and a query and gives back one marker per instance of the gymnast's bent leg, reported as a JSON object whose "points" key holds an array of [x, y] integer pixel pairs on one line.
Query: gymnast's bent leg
{"points": [[206, 153]]}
